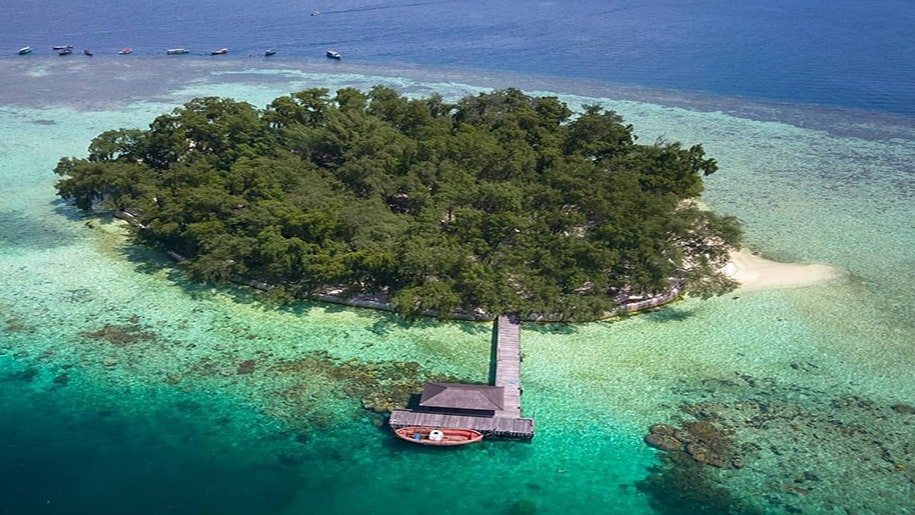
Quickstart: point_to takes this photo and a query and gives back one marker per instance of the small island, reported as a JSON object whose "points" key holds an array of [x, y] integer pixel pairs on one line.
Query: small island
{"points": [[500, 202]]}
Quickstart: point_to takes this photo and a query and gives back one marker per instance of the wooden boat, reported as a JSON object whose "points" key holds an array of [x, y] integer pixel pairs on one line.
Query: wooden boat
{"points": [[270, 52], [25, 50], [176, 51], [125, 51], [333, 54], [220, 51], [438, 436]]}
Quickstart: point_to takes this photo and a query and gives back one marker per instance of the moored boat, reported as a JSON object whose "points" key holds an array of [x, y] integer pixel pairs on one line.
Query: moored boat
{"points": [[87, 52], [270, 52], [438, 436], [125, 51], [220, 51], [176, 51], [333, 54], [25, 50], [61, 47], [65, 51]]}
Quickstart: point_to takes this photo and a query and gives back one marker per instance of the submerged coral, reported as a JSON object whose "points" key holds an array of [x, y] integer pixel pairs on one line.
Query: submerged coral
{"points": [[381, 387], [120, 335], [680, 484], [704, 441], [794, 437]]}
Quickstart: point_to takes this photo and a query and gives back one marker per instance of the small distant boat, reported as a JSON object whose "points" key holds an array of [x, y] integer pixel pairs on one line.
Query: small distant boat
{"points": [[25, 50], [221, 51], [438, 436], [65, 51], [315, 13], [176, 51], [87, 52], [333, 54], [125, 51], [62, 47], [270, 52]]}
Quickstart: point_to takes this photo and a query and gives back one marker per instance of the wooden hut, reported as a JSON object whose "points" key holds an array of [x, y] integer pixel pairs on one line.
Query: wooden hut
{"points": [[494, 410], [468, 399]]}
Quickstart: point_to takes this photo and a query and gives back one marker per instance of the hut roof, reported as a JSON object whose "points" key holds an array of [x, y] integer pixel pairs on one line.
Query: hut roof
{"points": [[462, 396]]}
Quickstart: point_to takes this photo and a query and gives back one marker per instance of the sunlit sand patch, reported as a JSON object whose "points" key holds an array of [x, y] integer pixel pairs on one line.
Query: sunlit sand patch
{"points": [[757, 273]]}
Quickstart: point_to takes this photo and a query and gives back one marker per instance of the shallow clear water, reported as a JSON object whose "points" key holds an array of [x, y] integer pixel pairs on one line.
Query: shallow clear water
{"points": [[152, 414]]}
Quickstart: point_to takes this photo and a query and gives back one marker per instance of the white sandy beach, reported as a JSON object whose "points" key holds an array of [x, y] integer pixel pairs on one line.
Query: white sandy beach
{"points": [[757, 273]]}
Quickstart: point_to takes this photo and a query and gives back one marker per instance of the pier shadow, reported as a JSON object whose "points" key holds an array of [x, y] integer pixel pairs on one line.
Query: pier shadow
{"points": [[493, 351]]}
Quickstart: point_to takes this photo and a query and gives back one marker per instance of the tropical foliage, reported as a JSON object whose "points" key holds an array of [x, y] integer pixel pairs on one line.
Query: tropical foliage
{"points": [[498, 202]]}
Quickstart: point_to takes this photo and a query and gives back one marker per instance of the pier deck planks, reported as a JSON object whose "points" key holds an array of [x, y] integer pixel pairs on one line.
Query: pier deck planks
{"points": [[507, 422]]}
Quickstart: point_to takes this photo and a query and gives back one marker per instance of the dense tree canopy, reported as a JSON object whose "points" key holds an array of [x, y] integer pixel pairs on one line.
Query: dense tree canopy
{"points": [[499, 202]]}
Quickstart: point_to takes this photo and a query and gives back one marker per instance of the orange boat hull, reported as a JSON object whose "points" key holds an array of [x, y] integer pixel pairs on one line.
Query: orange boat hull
{"points": [[438, 436]]}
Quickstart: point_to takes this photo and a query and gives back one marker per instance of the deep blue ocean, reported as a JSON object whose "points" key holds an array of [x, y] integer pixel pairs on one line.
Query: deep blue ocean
{"points": [[844, 53]]}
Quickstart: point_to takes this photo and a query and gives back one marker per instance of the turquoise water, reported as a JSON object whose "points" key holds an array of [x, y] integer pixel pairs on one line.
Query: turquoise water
{"points": [[123, 389]]}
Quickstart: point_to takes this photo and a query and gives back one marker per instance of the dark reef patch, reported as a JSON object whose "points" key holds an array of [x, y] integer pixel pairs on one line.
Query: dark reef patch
{"points": [[120, 335], [736, 422], [682, 485]]}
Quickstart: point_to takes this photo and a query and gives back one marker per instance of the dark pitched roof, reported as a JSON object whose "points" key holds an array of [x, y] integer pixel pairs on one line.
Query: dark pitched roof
{"points": [[462, 396]]}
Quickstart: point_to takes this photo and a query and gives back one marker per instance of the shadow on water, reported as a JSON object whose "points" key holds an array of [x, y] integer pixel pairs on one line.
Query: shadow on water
{"points": [[66, 209], [18, 230], [668, 314], [559, 328], [493, 353]]}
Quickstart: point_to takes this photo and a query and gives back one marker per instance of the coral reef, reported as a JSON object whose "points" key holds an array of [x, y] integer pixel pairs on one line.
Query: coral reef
{"points": [[782, 447], [680, 484], [120, 335], [246, 367], [704, 441], [380, 386]]}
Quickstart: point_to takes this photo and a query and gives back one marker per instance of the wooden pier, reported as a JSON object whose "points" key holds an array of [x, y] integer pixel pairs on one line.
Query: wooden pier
{"points": [[503, 421], [508, 364]]}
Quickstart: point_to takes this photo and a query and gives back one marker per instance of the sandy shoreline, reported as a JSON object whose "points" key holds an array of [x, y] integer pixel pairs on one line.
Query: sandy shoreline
{"points": [[757, 273]]}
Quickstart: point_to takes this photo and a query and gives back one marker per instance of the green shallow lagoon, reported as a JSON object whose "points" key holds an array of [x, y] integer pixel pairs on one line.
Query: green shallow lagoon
{"points": [[127, 390]]}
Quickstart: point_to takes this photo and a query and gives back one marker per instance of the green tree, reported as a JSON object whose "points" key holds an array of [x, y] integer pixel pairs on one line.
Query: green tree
{"points": [[498, 202]]}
